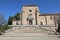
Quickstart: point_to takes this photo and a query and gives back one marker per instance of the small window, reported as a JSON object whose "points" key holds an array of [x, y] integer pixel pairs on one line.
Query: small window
{"points": [[30, 10], [41, 23], [16, 23], [50, 17]]}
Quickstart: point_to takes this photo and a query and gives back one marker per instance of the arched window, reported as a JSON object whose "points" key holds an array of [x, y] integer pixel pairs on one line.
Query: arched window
{"points": [[41, 23]]}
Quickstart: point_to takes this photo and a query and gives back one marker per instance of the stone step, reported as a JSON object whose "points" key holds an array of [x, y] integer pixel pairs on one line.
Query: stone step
{"points": [[18, 30]]}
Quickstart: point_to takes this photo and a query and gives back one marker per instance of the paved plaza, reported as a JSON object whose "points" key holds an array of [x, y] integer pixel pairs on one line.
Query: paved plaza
{"points": [[29, 36]]}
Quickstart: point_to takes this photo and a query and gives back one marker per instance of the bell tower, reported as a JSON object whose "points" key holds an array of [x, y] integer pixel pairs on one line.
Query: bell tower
{"points": [[29, 14]]}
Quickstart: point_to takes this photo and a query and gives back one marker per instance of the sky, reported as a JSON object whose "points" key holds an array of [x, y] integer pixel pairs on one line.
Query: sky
{"points": [[11, 7]]}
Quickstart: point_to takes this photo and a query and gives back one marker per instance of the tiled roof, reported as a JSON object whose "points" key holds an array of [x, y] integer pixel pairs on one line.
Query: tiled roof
{"points": [[30, 5], [47, 14]]}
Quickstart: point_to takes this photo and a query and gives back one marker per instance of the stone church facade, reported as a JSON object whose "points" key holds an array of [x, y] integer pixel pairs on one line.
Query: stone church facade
{"points": [[31, 15]]}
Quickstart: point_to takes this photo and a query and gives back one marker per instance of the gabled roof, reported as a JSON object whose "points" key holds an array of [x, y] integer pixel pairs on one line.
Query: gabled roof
{"points": [[48, 14], [29, 5]]}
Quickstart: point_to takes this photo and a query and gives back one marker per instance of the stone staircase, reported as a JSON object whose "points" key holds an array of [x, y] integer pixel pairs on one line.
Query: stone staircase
{"points": [[31, 29]]}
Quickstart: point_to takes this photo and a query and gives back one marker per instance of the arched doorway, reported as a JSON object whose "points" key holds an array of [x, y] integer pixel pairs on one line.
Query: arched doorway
{"points": [[30, 22], [58, 30]]}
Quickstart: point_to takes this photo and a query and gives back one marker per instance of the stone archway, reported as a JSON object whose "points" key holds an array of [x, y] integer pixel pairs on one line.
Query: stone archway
{"points": [[58, 30], [30, 22]]}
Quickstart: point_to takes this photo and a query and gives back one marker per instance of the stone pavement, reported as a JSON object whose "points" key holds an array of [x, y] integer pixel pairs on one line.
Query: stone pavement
{"points": [[29, 36]]}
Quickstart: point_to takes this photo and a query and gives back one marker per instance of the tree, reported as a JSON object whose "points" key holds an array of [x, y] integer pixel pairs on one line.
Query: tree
{"points": [[2, 20], [11, 18], [17, 16], [3, 24]]}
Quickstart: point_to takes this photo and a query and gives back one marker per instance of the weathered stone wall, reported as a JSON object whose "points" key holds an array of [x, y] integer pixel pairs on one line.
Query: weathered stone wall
{"points": [[34, 9], [26, 13], [15, 23]]}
